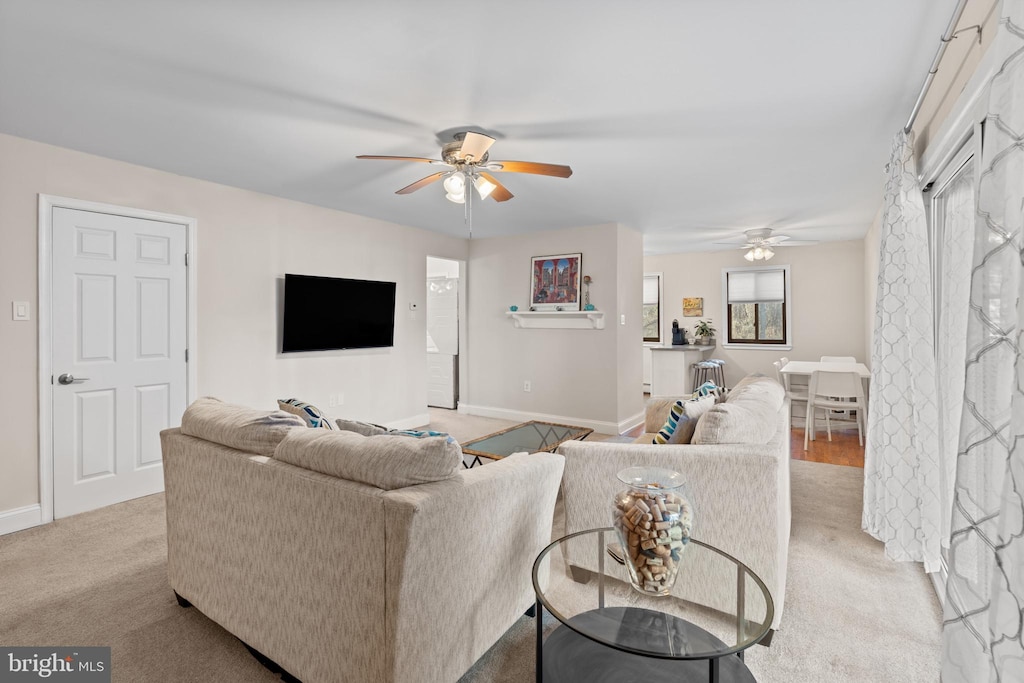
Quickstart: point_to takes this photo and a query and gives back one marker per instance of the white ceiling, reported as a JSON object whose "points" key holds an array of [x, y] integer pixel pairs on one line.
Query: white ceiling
{"points": [[688, 120]]}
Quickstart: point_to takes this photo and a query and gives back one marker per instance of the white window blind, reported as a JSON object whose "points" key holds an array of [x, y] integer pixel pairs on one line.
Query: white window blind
{"points": [[757, 286], [650, 289]]}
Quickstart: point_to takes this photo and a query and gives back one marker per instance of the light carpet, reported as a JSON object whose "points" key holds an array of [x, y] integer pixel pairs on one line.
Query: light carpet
{"points": [[100, 579]]}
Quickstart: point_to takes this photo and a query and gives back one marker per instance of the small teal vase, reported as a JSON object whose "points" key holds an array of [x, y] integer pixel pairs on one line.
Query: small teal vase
{"points": [[513, 308]]}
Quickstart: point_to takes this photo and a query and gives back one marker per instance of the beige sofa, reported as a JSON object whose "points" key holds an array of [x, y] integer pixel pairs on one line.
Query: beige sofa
{"points": [[737, 470], [347, 558]]}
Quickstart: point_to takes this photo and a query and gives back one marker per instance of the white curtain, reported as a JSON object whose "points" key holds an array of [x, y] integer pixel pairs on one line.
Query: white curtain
{"points": [[982, 631], [953, 227], [902, 478]]}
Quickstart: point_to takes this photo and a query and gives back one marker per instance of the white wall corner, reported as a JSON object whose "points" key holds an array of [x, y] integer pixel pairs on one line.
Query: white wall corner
{"points": [[631, 422], [19, 519]]}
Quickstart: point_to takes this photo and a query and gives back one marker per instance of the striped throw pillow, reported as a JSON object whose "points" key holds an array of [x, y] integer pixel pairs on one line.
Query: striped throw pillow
{"points": [[307, 411]]}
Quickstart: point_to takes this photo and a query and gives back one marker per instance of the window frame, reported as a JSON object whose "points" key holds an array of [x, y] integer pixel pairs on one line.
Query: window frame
{"points": [[785, 344], [661, 306]]}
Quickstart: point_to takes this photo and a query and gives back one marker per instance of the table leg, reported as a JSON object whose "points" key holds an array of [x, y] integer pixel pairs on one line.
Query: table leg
{"points": [[713, 670], [540, 641]]}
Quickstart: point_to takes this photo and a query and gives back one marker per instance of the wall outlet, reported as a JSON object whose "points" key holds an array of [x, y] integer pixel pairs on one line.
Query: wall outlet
{"points": [[527, 386], [622, 319], [335, 400]]}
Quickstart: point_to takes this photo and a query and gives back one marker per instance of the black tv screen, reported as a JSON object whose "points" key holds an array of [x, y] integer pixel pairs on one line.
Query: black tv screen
{"points": [[325, 313]]}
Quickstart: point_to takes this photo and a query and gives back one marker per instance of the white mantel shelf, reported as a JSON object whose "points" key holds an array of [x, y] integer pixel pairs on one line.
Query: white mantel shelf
{"points": [[567, 320]]}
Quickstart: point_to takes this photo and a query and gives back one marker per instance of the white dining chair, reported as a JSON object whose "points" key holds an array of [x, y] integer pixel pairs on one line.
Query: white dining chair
{"points": [[794, 394], [838, 359], [830, 391]]}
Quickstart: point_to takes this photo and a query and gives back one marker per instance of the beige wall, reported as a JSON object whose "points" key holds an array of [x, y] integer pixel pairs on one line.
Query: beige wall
{"points": [[247, 241], [574, 373], [827, 306], [629, 290]]}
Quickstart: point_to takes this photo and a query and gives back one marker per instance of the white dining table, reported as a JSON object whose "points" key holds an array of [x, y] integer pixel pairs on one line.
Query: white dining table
{"points": [[804, 368]]}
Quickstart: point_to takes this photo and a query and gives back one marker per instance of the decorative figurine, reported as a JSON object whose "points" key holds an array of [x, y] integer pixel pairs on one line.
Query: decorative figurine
{"points": [[586, 295], [513, 308]]}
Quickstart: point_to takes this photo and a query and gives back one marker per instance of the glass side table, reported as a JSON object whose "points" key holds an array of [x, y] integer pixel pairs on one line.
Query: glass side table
{"points": [[610, 632]]}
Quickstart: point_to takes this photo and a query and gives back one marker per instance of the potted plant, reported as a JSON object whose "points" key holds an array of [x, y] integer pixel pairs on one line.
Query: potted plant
{"points": [[704, 331]]}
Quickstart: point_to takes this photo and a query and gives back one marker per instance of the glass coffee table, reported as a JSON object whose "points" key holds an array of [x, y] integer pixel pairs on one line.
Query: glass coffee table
{"points": [[533, 436], [610, 632]]}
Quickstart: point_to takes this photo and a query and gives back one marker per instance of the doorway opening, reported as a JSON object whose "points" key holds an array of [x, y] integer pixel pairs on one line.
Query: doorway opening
{"points": [[444, 287]]}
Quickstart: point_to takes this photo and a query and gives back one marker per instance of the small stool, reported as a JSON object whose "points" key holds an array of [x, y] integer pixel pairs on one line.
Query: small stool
{"points": [[702, 372], [718, 376]]}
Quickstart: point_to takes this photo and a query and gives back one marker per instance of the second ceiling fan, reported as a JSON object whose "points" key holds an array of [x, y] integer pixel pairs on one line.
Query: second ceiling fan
{"points": [[468, 162]]}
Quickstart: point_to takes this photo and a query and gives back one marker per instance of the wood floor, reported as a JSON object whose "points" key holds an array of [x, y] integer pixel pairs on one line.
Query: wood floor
{"points": [[844, 449]]}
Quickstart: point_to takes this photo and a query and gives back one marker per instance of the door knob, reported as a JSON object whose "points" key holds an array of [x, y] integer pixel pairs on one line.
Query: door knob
{"points": [[68, 378]]}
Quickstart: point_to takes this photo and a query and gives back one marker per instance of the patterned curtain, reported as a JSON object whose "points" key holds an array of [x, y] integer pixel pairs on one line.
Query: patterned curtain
{"points": [[902, 474], [982, 632], [956, 211]]}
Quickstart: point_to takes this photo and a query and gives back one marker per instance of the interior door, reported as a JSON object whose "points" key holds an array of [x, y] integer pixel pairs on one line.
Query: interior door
{"points": [[118, 287], [442, 341]]}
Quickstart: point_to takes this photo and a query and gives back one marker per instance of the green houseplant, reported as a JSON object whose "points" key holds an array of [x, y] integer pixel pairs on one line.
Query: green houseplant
{"points": [[704, 331]]}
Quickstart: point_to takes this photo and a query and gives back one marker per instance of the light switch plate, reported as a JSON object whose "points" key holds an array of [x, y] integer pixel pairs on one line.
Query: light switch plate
{"points": [[20, 310]]}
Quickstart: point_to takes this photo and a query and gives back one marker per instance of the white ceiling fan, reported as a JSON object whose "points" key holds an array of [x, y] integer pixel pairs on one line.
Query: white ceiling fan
{"points": [[760, 243]]}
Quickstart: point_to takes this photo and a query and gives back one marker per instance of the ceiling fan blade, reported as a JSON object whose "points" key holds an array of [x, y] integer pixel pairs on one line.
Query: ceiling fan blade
{"points": [[373, 156], [422, 182], [556, 170], [475, 145], [500, 193]]}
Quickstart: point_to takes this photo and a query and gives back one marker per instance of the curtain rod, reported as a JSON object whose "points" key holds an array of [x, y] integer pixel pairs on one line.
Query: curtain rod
{"points": [[946, 38]]}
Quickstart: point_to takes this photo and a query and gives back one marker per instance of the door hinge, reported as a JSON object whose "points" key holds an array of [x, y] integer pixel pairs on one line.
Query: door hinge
{"points": [[186, 259], [186, 355], [51, 379]]}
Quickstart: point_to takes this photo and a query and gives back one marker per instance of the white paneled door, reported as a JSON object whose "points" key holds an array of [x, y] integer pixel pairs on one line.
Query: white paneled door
{"points": [[119, 332]]}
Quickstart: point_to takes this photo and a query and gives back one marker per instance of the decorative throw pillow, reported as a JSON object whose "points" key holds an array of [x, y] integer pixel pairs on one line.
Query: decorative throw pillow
{"points": [[418, 434], [364, 428], [307, 411], [682, 420]]}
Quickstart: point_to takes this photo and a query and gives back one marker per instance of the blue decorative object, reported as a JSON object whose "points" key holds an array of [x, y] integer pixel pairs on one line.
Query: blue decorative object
{"points": [[588, 307], [513, 308]]}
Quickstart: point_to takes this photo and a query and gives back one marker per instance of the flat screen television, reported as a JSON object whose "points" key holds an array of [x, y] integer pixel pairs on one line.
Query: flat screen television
{"points": [[326, 313]]}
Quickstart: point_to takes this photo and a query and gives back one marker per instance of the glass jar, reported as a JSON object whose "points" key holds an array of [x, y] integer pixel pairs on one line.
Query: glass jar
{"points": [[653, 519]]}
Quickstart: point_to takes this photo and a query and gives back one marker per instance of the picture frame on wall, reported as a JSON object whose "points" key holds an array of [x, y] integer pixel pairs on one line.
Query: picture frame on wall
{"points": [[693, 306], [555, 282]]}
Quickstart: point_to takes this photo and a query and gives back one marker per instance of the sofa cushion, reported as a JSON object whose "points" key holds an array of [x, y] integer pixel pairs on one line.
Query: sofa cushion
{"points": [[682, 419], [385, 461], [312, 415], [253, 431], [364, 428], [747, 416]]}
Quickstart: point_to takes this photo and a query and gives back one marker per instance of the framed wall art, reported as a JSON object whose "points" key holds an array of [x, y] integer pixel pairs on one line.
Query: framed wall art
{"points": [[693, 306], [555, 282]]}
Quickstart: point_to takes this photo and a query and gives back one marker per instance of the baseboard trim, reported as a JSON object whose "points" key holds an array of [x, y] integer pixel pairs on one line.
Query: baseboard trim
{"points": [[409, 422], [600, 426], [19, 519], [631, 422]]}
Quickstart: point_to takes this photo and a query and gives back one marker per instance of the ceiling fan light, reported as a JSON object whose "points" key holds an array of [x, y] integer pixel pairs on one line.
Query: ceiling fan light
{"points": [[484, 187], [455, 183], [749, 255], [459, 198], [768, 253], [758, 253]]}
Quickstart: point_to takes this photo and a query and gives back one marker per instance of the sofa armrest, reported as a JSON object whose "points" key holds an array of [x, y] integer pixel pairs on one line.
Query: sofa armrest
{"points": [[739, 493], [459, 559]]}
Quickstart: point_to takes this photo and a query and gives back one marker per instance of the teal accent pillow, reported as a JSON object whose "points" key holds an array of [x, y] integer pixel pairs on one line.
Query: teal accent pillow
{"points": [[310, 414]]}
